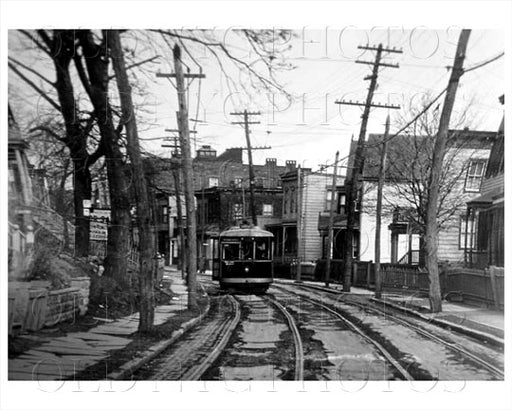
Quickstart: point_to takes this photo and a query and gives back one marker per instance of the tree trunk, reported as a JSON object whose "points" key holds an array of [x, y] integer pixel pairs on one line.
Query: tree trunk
{"points": [[146, 236], [431, 236], [63, 47], [378, 212], [61, 206], [96, 60]]}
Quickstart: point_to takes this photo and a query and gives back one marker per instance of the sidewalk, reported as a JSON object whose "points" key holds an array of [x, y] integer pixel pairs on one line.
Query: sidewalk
{"points": [[66, 356], [478, 321]]}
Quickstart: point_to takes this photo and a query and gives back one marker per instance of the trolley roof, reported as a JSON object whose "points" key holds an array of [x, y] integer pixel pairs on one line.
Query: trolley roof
{"points": [[245, 231]]}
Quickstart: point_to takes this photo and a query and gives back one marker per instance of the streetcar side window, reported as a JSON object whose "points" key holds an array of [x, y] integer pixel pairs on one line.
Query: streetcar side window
{"points": [[262, 249], [230, 251]]}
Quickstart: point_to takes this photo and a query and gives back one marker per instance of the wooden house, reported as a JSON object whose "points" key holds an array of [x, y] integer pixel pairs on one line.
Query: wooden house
{"points": [[405, 187]]}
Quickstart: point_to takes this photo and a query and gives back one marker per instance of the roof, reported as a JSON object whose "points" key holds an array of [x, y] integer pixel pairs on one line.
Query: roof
{"points": [[403, 150], [485, 199], [245, 231]]}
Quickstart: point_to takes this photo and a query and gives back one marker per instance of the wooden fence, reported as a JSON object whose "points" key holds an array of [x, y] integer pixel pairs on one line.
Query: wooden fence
{"points": [[463, 284]]}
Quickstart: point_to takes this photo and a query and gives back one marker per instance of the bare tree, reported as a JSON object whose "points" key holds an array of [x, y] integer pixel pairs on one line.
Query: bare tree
{"points": [[146, 246], [409, 164], [59, 46]]}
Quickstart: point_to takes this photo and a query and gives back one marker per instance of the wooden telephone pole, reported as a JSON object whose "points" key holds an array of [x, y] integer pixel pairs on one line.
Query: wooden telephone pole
{"points": [[431, 234], [176, 171], [186, 160], [353, 182], [331, 222], [382, 177], [246, 124]]}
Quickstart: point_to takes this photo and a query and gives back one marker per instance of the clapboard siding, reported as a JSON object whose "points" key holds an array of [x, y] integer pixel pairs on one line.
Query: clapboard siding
{"points": [[313, 202], [449, 247], [493, 183]]}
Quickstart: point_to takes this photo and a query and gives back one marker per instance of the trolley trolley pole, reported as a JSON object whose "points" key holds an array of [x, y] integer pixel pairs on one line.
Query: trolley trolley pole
{"points": [[246, 124]]}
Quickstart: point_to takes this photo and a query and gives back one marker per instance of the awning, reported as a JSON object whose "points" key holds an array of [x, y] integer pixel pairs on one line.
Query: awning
{"points": [[340, 221], [485, 199]]}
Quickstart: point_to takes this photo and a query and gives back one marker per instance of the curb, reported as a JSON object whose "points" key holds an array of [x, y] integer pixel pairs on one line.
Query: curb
{"points": [[155, 350], [486, 337]]}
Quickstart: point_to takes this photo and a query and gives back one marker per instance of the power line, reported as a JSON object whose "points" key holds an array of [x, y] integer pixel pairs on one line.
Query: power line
{"points": [[476, 66]]}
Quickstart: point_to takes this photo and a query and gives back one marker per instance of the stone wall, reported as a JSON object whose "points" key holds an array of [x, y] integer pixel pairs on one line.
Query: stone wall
{"points": [[32, 305]]}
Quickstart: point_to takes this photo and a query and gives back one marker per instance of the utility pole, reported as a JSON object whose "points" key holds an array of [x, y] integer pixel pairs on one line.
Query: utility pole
{"points": [[298, 278], [353, 182], [431, 234], [186, 160], [331, 222], [246, 124], [382, 177], [176, 171]]}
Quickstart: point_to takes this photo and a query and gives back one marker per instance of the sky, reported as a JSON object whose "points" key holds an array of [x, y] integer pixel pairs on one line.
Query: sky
{"points": [[310, 127]]}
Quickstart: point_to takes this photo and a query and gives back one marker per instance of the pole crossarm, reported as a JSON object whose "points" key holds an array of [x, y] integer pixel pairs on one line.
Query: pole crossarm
{"points": [[253, 148], [384, 49], [187, 75], [378, 64], [243, 113], [376, 105], [176, 130]]}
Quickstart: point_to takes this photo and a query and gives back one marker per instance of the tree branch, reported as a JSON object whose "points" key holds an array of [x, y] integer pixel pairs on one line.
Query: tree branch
{"points": [[41, 92], [42, 77], [36, 41], [50, 131], [139, 63]]}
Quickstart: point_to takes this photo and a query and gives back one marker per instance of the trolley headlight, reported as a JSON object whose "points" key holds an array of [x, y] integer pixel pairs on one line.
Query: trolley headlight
{"points": [[246, 269]]}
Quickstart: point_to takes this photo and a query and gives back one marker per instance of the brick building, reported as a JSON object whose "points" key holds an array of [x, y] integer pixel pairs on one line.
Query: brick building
{"points": [[221, 184]]}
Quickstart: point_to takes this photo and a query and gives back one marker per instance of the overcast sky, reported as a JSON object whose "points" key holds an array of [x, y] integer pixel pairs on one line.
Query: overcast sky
{"points": [[313, 127], [310, 127]]}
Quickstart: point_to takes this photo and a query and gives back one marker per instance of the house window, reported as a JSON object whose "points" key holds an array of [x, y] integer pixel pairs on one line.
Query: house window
{"points": [[213, 182], [475, 175], [293, 205], [341, 204], [238, 182], [237, 211], [165, 214], [268, 210], [285, 201], [328, 199], [470, 233]]}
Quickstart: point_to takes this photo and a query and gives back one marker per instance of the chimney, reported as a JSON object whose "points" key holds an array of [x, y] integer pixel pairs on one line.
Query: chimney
{"points": [[206, 151], [290, 165], [271, 165]]}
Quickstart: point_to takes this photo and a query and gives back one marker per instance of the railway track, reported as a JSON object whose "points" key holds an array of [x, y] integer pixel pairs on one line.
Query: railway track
{"points": [[299, 349], [488, 366], [194, 353], [404, 374]]}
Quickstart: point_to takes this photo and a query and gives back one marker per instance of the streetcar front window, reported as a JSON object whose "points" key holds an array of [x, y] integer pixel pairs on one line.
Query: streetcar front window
{"points": [[247, 249], [230, 251], [262, 249]]}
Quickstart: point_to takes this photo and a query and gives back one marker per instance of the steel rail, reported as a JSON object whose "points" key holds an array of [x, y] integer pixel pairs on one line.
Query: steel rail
{"points": [[299, 350], [405, 374], [196, 372], [490, 367]]}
